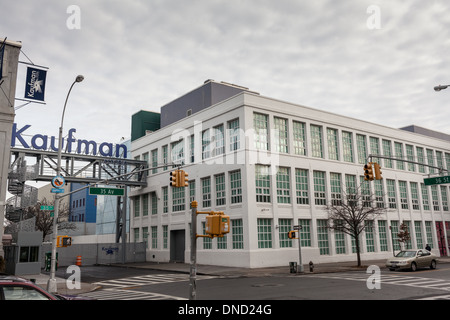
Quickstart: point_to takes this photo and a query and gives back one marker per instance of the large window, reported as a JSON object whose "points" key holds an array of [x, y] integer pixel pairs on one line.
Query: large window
{"points": [[414, 195], [319, 188], [335, 186], [178, 198], [284, 226], [322, 237], [234, 134], [29, 254], [382, 231], [220, 190], [403, 194], [418, 232], [387, 151], [347, 146], [219, 144], [154, 160], [299, 133], [301, 185], [178, 152], [305, 232], [392, 199], [264, 233], [399, 155], [316, 141], [237, 232], [281, 135], [236, 186], [283, 185], [206, 144], [261, 127], [206, 192], [425, 198], [262, 183], [361, 148], [333, 148]]}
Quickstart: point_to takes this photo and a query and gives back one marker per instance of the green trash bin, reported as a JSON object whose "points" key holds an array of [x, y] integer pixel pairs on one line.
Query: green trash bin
{"points": [[48, 261]]}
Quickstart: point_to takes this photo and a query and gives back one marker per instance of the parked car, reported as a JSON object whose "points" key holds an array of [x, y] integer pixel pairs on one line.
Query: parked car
{"points": [[412, 259], [16, 288]]}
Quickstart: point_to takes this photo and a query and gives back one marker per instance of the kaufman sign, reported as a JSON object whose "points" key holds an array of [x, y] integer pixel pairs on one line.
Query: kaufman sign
{"points": [[35, 84], [72, 145]]}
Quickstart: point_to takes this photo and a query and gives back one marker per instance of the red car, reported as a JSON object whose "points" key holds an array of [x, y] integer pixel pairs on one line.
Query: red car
{"points": [[16, 288]]}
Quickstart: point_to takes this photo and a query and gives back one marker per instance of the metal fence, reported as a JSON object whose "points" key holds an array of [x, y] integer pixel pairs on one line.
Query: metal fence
{"points": [[97, 253]]}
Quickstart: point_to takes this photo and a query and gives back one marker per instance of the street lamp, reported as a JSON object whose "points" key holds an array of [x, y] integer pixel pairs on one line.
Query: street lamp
{"points": [[440, 87], [51, 284]]}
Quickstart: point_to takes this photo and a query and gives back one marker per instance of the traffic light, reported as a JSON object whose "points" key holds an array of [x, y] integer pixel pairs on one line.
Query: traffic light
{"points": [[174, 178], [291, 234], [368, 172], [377, 170], [183, 179], [217, 225], [63, 241]]}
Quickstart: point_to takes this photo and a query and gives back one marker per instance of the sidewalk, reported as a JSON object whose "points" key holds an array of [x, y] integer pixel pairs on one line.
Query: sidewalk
{"points": [[61, 285], [236, 272], [222, 271], [263, 272]]}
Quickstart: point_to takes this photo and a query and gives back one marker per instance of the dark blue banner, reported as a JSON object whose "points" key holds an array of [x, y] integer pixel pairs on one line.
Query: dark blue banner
{"points": [[35, 84], [2, 51]]}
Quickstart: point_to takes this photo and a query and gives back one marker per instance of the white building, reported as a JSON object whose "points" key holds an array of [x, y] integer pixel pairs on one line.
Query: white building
{"points": [[270, 165]]}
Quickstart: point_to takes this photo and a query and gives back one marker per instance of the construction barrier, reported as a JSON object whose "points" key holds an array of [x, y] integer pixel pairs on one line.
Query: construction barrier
{"points": [[78, 263]]}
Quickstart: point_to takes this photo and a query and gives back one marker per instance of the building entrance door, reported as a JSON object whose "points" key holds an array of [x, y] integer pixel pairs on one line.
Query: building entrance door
{"points": [[177, 245], [441, 238]]}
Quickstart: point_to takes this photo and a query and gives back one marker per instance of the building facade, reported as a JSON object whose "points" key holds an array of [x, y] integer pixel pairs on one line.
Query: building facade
{"points": [[9, 59], [270, 165]]}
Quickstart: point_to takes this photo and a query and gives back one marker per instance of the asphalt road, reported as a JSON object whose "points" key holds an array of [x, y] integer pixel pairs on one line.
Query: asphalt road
{"points": [[355, 285]]}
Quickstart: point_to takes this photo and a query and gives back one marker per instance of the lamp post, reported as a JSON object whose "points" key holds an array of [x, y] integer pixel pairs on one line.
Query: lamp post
{"points": [[441, 87], [51, 284]]}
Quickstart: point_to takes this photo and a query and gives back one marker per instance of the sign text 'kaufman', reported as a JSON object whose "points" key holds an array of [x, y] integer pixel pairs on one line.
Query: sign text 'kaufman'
{"points": [[72, 145], [35, 84]]}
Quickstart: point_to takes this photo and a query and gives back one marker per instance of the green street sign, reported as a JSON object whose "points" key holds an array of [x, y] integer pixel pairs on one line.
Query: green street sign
{"points": [[47, 208], [106, 191], [436, 180]]}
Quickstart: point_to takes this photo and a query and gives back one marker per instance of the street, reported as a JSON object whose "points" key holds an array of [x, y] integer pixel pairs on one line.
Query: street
{"points": [[118, 283]]}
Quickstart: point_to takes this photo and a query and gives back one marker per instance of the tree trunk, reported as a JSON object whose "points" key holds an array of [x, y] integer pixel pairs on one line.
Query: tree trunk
{"points": [[358, 255]]}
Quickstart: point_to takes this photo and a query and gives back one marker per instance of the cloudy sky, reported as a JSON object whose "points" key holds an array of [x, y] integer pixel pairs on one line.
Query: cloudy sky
{"points": [[374, 60]]}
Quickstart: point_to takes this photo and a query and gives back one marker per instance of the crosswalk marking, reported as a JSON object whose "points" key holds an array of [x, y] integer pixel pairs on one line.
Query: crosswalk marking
{"points": [[412, 281], [122, 289], [122, 294], [147, 280]]}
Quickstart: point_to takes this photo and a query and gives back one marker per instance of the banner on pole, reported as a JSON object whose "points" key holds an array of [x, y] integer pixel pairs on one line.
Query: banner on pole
{"points": [[35, 84], [2, 52]]}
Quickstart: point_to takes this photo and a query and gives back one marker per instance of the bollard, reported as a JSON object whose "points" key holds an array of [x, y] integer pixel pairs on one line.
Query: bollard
{"points": [[311, 266]]}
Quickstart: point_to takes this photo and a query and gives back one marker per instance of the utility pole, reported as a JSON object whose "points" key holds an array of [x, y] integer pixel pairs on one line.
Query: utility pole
{"points": [[51, 284], [193, 269]]}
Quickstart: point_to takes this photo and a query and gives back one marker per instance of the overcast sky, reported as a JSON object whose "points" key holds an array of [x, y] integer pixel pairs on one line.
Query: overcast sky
{"points": [[373, 60]]}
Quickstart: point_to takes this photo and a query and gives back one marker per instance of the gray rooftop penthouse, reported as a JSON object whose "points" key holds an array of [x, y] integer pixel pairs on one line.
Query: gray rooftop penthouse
{"points": [[208, 94]]}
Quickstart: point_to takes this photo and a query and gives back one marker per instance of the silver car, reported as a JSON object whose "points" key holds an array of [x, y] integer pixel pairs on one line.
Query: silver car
{"points": [[412, 259]]}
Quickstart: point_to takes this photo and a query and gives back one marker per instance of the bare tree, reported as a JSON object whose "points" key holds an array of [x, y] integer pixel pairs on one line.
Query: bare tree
{"points": [[403, 235], [44, 219], [350, 214]]}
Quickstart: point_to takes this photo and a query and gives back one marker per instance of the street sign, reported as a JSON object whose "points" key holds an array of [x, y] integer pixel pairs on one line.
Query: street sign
{"points": [[58, 181], [47, 208], [57, 190], [436, 180], [106, 191]]}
